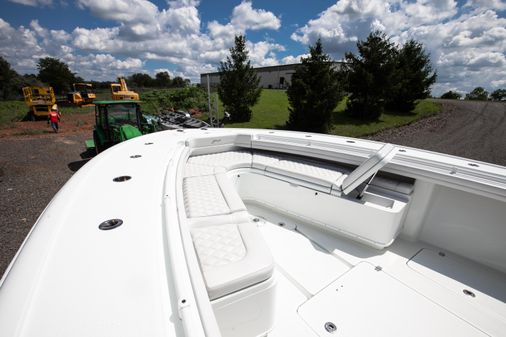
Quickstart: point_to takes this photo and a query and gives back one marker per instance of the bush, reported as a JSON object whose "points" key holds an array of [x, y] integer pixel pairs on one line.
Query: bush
{"points": [[478, 94], [177, 98]]}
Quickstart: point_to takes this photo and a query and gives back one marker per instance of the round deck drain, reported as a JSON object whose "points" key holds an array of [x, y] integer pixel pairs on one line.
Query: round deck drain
{"points": [[121, 179], [136, 156], [110, 224], [469, 293], [330, 327], [281, 224]]}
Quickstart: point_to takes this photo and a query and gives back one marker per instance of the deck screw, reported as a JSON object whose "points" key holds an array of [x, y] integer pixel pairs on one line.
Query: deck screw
{"points": [[442, 254], [378, 268]]}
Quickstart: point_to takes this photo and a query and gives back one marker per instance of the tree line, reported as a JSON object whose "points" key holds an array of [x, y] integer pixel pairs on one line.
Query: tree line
{"points": [[55, 73], [478, 94], [382, 75]]}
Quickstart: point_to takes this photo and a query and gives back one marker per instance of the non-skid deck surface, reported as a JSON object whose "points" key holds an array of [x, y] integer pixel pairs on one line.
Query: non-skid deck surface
{"points": [[312, 265]]}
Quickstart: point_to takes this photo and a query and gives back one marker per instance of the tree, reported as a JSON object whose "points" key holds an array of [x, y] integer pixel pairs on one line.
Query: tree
{"points": [[162, 79], [238, 89], [413, 77], [499, 95], [141, 80], [478, 94], [451, 95], [55, 73], [314, 92], [370, 76], [10, 80], [178, 82]]}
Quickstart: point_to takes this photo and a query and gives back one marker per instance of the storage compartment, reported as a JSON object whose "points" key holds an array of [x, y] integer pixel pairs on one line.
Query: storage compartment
{"points": [[367, 301], [249, 312], [374, 219]]}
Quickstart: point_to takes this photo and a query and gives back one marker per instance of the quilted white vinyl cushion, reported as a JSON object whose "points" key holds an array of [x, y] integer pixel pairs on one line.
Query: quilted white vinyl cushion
{"points": [[242, 260], [203, 197], [317, 173], [218, 245], [195, 170], [230, 159], [263, 159]]}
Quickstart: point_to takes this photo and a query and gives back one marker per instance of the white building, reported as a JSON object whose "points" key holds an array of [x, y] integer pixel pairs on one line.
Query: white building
{"points": [[273, 77]]}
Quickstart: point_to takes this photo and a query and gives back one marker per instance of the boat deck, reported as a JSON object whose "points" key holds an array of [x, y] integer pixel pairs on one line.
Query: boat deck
{"points": [[326, 279]]}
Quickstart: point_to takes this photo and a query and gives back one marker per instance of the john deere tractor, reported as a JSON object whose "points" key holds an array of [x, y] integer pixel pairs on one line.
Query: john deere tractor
{"points": [[117, 121]]}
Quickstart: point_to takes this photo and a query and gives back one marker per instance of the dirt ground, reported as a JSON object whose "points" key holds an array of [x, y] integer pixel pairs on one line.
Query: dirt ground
{"points": [[469, 129], [35, 163]]}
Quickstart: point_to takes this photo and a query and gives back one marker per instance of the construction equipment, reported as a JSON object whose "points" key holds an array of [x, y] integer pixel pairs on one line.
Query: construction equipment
{"points": [[82, 95], [119, 91], [117, 121], [39, 101]]}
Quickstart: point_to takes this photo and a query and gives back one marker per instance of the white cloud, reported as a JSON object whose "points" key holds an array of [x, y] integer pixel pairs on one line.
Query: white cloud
{"points": [[121, 10], [467, 45], [33, 3], [245, 17]]}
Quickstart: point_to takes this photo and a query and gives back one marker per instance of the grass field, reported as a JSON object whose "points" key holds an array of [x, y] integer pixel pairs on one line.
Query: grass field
{"points": [[15, 111], [271, 111]]}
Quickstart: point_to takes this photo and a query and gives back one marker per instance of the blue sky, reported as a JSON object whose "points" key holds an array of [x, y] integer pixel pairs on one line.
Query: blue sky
{"points": [[101, 39]]}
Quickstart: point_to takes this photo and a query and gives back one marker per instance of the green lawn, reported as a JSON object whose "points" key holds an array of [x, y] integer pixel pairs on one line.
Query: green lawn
{"points": [[344, 125], [271, 111]]}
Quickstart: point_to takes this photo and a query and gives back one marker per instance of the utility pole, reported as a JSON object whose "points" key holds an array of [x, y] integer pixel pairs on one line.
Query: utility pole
{"points": [[209, 100]]}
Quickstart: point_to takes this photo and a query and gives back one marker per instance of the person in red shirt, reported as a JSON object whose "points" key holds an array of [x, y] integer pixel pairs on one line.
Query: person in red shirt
{"points": [[54, 118]]}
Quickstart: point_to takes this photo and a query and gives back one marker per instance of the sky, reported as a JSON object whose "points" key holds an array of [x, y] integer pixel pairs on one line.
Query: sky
{"points": [[103, 39]]}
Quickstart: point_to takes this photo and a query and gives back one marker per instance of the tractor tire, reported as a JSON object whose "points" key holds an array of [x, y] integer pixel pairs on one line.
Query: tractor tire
{"points": [[98, 148]]}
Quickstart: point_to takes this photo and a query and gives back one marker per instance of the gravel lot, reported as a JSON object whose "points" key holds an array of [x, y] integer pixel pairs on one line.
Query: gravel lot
{"points": [[34, 168], [474, 130]]}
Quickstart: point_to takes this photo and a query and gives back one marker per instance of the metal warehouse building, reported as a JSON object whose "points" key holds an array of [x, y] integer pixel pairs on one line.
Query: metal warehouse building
{"points": [[274, 77]]}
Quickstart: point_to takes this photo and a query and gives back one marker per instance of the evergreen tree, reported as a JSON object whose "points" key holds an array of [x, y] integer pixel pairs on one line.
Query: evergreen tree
{"points": [[55, 73], [412, 78], [238, 89], [370, 76], [313, 93]]}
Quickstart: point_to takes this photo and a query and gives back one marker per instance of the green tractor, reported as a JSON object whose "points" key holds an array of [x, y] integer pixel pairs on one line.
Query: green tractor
{"points": [[117, 121]]}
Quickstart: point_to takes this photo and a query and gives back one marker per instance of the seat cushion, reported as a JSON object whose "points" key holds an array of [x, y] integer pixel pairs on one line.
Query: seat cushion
{"points": [[203, 197], [232, 257], [196, 170], [305, 170], [210, 195], [229, 160]]}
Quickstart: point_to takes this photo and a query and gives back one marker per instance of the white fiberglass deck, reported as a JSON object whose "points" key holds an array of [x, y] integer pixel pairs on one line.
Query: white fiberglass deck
{"points": [[239, 233], [366, 292]]}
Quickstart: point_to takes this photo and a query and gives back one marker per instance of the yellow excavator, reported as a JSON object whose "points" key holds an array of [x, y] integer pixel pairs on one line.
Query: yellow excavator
{"points": [[39, 101], [82, 95], [119, 91]]}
